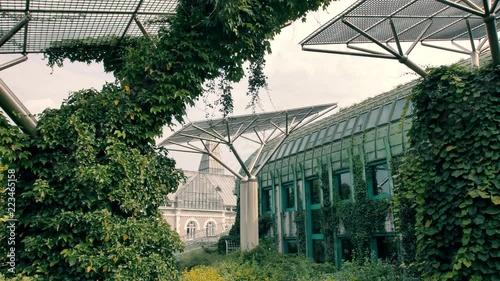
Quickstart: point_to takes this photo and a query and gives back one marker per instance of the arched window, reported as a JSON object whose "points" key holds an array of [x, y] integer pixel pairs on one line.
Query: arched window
{"points": [[191, 230], [210, 229]]}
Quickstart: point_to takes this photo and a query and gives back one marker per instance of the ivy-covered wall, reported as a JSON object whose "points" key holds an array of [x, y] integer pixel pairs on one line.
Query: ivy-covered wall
{"points": [[453, 172]]}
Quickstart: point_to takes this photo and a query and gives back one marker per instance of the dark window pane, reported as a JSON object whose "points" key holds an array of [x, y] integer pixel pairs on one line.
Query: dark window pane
{"points": [[398, 110], [291, 247], [372, 120], [386, 247], [340, 130], [319, 251], [384, 116], [316, 221], [347, 249], [344, 182], [289, 197], [304, 143], [315, 192], [360, 123], [349, 126], [267, 196], [320, 138], [380, 179], [329, 133]]}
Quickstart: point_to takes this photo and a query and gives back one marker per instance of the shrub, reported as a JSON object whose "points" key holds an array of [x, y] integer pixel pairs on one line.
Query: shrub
{"points": [[201, 273]]}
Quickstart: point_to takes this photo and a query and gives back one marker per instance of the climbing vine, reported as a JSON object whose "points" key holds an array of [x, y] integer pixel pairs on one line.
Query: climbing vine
{"points": [[453, 172], [90, 182], [362, 217], [300, 222], [329, 217]]}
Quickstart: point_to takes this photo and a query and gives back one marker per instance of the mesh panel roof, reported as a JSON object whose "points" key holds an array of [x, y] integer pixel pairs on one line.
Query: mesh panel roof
{"points": [[410, 18], [258, 122], [95, 21]]}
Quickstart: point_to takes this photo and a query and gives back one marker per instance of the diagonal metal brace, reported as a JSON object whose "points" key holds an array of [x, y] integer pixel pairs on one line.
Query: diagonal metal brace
{"points": [[9, 34]]}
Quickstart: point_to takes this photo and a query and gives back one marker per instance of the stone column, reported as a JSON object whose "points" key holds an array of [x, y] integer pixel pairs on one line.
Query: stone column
{"points": [[249, 214]]}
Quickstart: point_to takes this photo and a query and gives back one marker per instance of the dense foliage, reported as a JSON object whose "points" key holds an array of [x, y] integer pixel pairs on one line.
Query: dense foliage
{"points": [[90, 183], [453, 172]]}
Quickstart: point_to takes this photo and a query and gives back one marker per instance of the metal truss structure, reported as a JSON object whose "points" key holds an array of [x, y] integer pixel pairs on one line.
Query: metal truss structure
{"points": [[388, 23]]}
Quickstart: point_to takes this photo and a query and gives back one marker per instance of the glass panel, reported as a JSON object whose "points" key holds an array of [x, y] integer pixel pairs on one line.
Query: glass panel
{"points": [[316, 221], [291, 247], [319, 251], [372, 121], [267, 196], [315, 192], [282, 149], [360, 123], [329, 133], [289, 197], [344, 182], [386, 247], [304, 143], [384, 116], [321, 135], [263, 156], [296, 146], [398, 110], [340, 130], [410, 109], [347, 249], [349, 126], [288, 148], [312, 140], [276, 153], [380, 179]]}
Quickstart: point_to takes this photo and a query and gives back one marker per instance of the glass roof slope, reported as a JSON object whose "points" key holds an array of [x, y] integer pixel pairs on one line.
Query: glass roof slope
{"points": [[222, 127], [411, 18], [49, 23]]}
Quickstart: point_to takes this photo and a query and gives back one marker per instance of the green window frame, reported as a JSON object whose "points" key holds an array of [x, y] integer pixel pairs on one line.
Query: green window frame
{"points": [[379, 185], [288, 196], [267, 200], [343, 183], [345, 250]]}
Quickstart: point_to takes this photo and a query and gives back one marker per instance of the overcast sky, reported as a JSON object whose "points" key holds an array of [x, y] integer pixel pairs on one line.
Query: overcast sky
{"points": [[296, 78]]}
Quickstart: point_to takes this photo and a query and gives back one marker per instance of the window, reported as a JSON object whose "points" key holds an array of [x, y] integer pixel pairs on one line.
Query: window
{"points": [[329, 133], [321, 135], [372, 120], [304, 143], [267, 204], [282, 150], [346, 249], [291, 247], [289, 198], [398, 110], [312, 140], [386, 247], [340, 130], [263, 156], [384, 116], [316, 221], [318, 251], [191, 230], [315, 192], [379, 180], [288, 149], [343, 183], [349, 126], [210, 229], [295, 146], [361, 122]]}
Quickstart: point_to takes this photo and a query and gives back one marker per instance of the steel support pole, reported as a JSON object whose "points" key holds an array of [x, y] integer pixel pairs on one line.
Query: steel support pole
{"points": [[16, 110], [491, 28], [13, 62], [9, 34], [249, 214]]}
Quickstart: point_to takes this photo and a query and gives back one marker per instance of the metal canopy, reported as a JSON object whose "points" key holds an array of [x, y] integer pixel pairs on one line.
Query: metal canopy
{"points": [[386, 22], [33, 26], [227, 130]]}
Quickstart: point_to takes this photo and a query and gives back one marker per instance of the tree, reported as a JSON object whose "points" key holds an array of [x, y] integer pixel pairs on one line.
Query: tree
{"points": [[90, 182]]}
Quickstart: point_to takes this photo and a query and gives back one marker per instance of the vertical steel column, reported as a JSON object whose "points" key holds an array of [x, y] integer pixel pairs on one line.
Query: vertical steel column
{"points": [[491, 28]]}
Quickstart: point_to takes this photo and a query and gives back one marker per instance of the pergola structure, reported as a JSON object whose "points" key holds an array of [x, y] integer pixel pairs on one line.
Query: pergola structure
{"points": [[195, 138], [388, 23], [33, 26]]}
